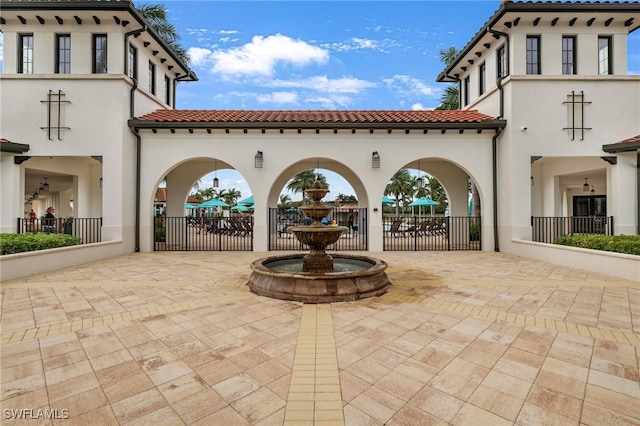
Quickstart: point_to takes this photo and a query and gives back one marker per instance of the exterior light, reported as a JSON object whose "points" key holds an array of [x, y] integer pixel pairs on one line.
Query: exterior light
{"points": [[585, 187], [41, 189], [258, 160], [45, 185], [593, 190], [419, 181], [100, 181], [375, 160], [216, 182]]}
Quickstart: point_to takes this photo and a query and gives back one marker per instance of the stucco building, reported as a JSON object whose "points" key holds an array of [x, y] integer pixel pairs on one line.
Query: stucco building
{"points": [[547, 107]]}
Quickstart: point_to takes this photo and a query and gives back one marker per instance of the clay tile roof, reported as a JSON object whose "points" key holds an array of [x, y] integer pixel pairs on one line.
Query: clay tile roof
{"points": [[627, 145], [326, 117]]}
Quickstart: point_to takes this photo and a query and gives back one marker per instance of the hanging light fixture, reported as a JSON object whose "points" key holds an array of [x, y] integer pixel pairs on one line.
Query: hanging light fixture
{"points": [[593, 190], [41, 189], [585, 187], [216, 182], [45, 185], [419, 181]]}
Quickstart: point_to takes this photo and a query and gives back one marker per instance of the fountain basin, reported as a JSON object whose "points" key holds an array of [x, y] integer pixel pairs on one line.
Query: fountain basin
{"points": [[354, 277]]}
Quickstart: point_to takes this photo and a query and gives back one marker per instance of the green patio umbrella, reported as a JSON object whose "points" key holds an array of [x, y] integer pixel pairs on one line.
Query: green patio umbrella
{"points": [[424, 201], [247, 201], [192, 206], [240, 208], [214, 202], [387, 201]]}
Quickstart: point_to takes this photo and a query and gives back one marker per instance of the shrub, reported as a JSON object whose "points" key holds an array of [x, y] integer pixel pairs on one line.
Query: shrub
{"points": [[627, 244], [474, 232], [20, 243]]}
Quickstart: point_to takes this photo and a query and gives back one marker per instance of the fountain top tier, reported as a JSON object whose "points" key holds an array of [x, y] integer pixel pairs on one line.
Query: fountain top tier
{"points": [[317, 210]]}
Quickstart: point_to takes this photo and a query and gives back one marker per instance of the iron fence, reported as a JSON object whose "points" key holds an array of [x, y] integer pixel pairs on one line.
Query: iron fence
{"points": [[429, 233], [547, 229], [206, 233], [355, 239], [88, 229]]}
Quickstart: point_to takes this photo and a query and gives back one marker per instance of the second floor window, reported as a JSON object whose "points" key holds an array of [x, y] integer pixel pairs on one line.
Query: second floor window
{"points": [[605, 66], [482, 77], [152, 78], [132, 66], [167, 90], [533, 55], [466, 91], [569, 55], [502, 62], [63, 54], [25, 54], [99, 53]]}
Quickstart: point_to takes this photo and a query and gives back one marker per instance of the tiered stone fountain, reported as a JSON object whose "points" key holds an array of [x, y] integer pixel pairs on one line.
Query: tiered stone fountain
{"points": [[318, 277]]}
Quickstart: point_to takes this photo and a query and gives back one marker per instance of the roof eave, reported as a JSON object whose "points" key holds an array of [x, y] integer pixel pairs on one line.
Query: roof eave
{"points": [[14, 148], [615, 148], [481, 125], [532, 7], [120, 6]]}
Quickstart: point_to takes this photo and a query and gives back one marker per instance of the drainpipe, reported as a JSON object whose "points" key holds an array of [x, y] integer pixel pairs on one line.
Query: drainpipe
{"points": [[506, 63], [134, 131], [497, 135], [188, 75]]}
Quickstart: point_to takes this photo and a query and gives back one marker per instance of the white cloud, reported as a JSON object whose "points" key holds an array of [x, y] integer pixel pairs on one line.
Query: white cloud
{"points": [[263, 54], [327, 85], [199, 56], [278, 98], [410, 85]]}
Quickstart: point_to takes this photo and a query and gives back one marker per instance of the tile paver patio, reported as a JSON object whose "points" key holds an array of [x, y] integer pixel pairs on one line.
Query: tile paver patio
{"points": [[460, 338]]}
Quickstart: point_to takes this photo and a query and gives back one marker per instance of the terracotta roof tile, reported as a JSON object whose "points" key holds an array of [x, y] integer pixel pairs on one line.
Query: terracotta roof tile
{"points": [[344, 117]]}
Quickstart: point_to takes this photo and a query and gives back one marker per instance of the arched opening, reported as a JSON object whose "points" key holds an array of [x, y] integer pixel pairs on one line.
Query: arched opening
{"points": [[426, 207], [198, 207], [348, 209]]}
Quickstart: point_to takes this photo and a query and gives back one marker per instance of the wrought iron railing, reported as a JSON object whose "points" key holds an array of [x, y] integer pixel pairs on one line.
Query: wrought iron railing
{"points": [[88, 229], [203, 233], [432, 233], [547, 229]]}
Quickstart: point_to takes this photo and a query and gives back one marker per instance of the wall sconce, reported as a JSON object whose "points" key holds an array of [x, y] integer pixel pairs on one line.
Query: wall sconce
{"points": [[375, 160], [216, 182], [100, 181], [258, 160], [531, 180], [45, 185], [593, 190], [585, 187]]}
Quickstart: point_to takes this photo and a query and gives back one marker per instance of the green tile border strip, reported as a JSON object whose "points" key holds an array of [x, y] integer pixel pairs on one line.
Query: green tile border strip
{"points": [[619, 336], [315, 394]]}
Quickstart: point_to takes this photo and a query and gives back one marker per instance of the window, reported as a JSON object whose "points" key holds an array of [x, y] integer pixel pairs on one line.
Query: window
{"points": [[569, 55], [605, 65], [482, 77], [25, 58], [63, 54], [533, 55], [502, 62], [466, 91], [152, 78], [132, 65], [167, 90], [99, 53]]}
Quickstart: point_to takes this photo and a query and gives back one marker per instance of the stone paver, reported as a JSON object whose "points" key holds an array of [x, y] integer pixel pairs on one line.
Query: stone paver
{"points": [[460, 338]]}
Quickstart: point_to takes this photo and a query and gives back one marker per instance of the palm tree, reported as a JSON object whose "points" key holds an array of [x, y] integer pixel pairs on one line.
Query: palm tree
{"points": [[229, 196], [156, 15], [285, 201], [304, 180], [450, 99], [401, 185]]}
